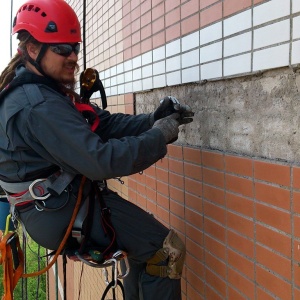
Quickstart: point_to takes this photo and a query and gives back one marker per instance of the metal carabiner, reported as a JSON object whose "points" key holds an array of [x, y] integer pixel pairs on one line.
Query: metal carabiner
{"points": [[31, 191]]}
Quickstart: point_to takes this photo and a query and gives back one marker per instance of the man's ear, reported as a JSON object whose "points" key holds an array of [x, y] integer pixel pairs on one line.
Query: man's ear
{"points": [[33, 50]]}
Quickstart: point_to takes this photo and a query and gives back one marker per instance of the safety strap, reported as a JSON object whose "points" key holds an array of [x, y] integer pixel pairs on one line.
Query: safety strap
{"points": [[12, 260]]}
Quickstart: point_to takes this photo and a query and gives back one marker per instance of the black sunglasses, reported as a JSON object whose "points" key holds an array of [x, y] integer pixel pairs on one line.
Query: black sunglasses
{"points": [[65, 49]]}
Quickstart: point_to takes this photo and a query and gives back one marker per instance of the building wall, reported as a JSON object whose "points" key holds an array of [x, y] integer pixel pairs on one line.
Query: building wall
{"points": [[230, 184]]}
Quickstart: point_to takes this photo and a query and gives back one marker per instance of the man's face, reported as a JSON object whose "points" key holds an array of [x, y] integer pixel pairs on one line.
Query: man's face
{"points": [[61, 68]]}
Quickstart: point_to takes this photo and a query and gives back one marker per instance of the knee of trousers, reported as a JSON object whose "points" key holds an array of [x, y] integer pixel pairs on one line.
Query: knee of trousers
{"points": [[169, 260]]}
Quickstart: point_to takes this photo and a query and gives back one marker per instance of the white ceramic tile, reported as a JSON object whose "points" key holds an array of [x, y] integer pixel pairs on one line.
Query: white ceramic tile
{"points": [[147, 84], [128, 65], [137, 86], [121, 89], [137, 62], [173, 48], [107, 73], [191, 74], [296, 6], [211, 70], [106, 82], [113, 71], [120, 68], [237, 23], [147, 58], [273, 57], [296, 52], [159, 81], [128, 87], [159, 53], [113, 80], [191, 58], [211, 33], [173, 63], [270, 10], [159, 67], [137, 74], [237, 64], [190, 41], [238, 44], [296, 27], [114, 90], [147, 71], [173, 78], [128, 76], [120, 78], [211, 52], [271, 34]]}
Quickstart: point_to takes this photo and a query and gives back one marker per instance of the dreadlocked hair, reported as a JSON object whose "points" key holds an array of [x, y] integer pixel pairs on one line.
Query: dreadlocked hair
{"points": [[21, 57]]}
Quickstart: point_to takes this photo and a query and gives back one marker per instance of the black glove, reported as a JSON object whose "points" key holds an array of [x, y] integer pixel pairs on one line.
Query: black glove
{"points": [[170, 105]]}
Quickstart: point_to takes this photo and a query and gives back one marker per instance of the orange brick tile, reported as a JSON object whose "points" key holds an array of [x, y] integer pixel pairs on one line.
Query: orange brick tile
{"points": [[233, 6], [193, 248], [189, 8], [296, 177], [239, 185], [162, 188], [215, 264], [273, 217], [193, 202], [193, 294], [177, 223], [244, 285], [274, 240], [214, 212], [297, 291], [240, 244], [271, 172], [151, 194], [240, 204], [213, 177], [192, 186], [176, 166], [233, 294], [195, 281], [162, 175], [274, 262], [158, 10], [240, 224], [193, 171], [275, 285], [273, 195], [146, 45], [158, 25], [239, 165], [296, 253], [141, 201], [194, 219], [176, 194], [241, 263], [158, 39], [146, 31], [213, 160], [175, 151], [190, 24], [192, 155], [176, 180], [163, 163], [217, 284], [213, 194], [163, 201], [151, 207], [150, 182], [296, 225], [194, 234], [211, 14], [195, 266], [215, 230], [141, 189], [177, 209], [215, 247]]}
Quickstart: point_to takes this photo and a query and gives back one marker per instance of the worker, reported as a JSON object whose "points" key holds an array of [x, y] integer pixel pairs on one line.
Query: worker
{"points": [[47, 145]]}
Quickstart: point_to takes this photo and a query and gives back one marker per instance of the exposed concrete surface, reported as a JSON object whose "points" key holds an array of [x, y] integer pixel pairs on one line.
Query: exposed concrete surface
{"points": [[256, 115]]}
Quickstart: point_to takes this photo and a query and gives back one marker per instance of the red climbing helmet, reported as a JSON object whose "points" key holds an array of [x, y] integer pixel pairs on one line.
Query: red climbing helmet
{"points": [[48, 21]]}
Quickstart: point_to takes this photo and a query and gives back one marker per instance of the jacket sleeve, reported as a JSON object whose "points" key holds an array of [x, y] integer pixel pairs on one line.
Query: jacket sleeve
{"points": [[119, 125], [56, 131]]}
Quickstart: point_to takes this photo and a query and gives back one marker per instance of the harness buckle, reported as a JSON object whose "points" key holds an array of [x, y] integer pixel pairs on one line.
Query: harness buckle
{"points": [[32, 193]]}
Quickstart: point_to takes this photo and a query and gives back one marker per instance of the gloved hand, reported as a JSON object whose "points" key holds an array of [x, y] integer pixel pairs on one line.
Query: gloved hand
{"points": [[170, 105], [169, 127]]}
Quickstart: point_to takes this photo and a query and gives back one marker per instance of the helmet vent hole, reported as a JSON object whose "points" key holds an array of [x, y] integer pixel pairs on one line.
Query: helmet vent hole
{"points": [[43, 14]]}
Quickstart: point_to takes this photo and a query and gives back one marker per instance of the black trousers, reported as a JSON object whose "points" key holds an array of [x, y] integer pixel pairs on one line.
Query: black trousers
{"points": [[138, 233]]}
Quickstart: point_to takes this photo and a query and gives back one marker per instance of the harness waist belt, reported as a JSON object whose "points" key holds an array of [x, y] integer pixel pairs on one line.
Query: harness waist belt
{"points": [[39, 189]]}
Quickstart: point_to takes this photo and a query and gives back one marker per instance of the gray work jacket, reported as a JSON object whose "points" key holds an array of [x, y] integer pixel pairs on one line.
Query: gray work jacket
{"points": [[45, 130]]}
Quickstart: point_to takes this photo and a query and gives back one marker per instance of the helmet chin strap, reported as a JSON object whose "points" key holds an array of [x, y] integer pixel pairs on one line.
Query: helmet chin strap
{"points": [[36, 63]]}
